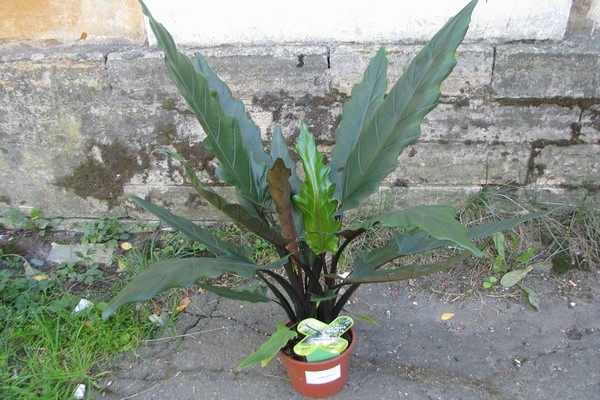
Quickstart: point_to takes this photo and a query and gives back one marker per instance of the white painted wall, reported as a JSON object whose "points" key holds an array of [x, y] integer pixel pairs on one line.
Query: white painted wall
{"points": [[213, 23], [594, 15]]}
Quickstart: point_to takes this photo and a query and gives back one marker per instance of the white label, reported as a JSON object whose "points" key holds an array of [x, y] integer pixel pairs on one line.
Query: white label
{"points": [[320, 377]]}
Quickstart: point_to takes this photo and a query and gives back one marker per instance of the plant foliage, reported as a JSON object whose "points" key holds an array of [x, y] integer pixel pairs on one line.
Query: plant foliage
{"points": [[302, 218]]}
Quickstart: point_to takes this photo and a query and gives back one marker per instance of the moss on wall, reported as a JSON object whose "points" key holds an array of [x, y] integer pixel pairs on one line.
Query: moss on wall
{"points": [[103, 179]]}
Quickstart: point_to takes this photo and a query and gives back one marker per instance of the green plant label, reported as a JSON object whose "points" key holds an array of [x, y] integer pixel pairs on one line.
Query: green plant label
{"points": [[322, 341]]}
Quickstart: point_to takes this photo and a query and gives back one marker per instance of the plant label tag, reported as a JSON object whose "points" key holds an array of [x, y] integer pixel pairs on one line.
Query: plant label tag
{"points": [[326, 376]]}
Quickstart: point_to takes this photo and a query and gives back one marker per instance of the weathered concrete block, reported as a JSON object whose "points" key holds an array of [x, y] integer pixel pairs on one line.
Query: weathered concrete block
{"points": [[78, 129], [540, 71], [180, 200], [491, 122], [67, 253], [540, 192], [249, 71], [569, 166], [460, 164], [472, 75], [590, 125], [401, 197]]}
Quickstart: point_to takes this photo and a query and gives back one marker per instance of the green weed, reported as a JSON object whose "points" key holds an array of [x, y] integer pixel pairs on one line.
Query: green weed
{"points": [[31, 222], [104, 230]]}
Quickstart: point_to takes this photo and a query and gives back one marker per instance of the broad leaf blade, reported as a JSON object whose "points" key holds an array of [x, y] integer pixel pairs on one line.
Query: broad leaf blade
{"points": [[315, 199], [396, 124], [365, 99], [192, 231], [418, 243], [256, 295], [224, 139], [270, 348], [236, 212], [365, 273], [484, 230], [168, 274], [438, 221], [235, 108]]}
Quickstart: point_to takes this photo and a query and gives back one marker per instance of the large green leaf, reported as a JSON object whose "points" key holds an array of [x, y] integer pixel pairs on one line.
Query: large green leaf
{"points": [[193, 231], [167, 274], [365, 99], [270, 348], [404, 244], [438, 221], [255, 295], [235, 108], [236, 212], [224, 139], [365, 273], [396, 124], [315, 199]]}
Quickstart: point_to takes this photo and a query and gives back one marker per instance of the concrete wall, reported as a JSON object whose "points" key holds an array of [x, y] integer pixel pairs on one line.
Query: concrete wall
{"points": [[79, 120]]}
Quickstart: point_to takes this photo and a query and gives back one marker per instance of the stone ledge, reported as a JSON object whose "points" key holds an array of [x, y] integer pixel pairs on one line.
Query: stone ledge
{"points": [[538, 71], [459, 164], [577, 165], [482, 121], [472, 75]]}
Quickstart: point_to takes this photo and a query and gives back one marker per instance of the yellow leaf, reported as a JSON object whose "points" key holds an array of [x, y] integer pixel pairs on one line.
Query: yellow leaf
{"points": [[40, 277], [126, 246], [122, 265], [183, 304], [447, 316]]}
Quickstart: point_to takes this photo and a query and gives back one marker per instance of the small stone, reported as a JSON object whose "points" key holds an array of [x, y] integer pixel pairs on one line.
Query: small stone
{"points": [[79, 393], [37, 262], [517, 363], [82, 305]]}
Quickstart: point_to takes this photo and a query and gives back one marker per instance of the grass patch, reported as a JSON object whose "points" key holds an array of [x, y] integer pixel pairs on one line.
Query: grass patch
{"points": [[46, 348]]}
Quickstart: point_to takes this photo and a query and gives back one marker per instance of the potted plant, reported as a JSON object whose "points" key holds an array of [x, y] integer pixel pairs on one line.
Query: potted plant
{"points": [[303, 218]]}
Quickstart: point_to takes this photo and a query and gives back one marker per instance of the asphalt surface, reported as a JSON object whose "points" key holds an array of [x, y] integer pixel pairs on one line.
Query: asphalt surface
{"points": [[494, 347]]}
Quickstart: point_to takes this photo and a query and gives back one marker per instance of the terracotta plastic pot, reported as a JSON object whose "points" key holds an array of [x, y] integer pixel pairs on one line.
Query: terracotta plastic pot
{"points": [[319, 379]]}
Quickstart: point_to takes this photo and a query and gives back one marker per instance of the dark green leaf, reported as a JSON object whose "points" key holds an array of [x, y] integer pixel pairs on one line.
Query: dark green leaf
{"points": [[365, 99], [364, 273], [192, 231], [224, 138], [396, 124], [418, 243], [235, 108], [438, 221], [484, 230], [236, 212], [256, 295], [167, 274]]}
